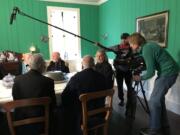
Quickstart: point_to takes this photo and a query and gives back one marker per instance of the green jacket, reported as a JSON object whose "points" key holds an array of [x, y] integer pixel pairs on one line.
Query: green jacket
{"points": [[157, 58]]}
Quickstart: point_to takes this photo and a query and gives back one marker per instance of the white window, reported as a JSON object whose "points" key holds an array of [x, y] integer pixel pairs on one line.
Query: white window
{"points": [[66, 44]]}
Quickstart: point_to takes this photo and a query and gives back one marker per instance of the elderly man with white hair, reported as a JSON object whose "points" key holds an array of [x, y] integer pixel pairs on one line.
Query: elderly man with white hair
{"points": [[104, 67], [57, 64], [88, 80], [33, 85]]}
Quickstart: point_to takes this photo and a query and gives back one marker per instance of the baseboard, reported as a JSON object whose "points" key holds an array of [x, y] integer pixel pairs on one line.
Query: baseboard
{"points": [[173, 106]]}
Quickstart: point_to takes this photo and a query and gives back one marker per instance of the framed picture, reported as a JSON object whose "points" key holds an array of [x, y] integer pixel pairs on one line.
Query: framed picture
{"points": [[154, 27]]}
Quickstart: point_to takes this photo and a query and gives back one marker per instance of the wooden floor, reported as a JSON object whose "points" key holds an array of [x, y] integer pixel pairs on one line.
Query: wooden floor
{"points": [[119, 125]]}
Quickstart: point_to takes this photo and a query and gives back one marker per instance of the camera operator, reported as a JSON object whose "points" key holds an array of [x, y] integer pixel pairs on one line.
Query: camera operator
{"points": [[121, 66], [156, 59]]}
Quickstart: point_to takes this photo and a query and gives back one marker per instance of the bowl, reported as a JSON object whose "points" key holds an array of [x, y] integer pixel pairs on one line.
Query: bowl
{"points": [[56, 75]]}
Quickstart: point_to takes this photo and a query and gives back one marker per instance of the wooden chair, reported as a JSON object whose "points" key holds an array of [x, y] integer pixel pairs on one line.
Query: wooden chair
{"points": [[9, 106], [86, 114]]}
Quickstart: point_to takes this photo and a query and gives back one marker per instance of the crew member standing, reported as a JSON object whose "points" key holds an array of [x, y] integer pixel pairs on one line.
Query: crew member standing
{"points": [[122, 68], [156, 59]]}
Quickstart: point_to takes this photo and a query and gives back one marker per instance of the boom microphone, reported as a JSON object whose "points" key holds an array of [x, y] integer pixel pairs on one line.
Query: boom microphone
{"points": [[13, 15]]}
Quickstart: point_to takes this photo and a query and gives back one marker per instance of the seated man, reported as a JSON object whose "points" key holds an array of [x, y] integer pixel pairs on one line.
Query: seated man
{"points": [[88, 80], [25, 63], [33, 85], [103, 67], [57, 63]]}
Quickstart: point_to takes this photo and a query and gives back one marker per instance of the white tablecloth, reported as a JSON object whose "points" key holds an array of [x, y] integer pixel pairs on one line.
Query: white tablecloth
{"points": [[6, 93]]}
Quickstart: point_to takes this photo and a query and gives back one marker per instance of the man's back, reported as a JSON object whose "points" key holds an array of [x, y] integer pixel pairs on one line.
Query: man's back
{"points": [[32, 85], [87, 80]]}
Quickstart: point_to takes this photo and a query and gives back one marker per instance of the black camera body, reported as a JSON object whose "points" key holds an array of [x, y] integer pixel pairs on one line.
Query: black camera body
{"points": [[129, 61], [137, 64]]}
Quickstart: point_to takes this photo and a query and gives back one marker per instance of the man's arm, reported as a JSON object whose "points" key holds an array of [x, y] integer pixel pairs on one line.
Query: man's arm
{"points": [[52, 93], [15, 90], [69, 94], [49, 67], [149, 61]]}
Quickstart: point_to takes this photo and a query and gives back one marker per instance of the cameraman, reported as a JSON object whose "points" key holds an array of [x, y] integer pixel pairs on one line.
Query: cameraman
{"points": [[156, 58], [122, 68]]}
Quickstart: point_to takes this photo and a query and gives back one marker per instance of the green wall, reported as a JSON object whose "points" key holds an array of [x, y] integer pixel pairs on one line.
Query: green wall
{"points": [[24, 31], [118, 16], [112, 18]]}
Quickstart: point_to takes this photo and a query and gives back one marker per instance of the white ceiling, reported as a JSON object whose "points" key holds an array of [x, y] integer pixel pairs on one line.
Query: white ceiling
{"points": [[90, 2]]}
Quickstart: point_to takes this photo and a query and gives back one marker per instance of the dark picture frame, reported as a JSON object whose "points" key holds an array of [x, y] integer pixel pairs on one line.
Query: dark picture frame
{"points": [[154, 27]]}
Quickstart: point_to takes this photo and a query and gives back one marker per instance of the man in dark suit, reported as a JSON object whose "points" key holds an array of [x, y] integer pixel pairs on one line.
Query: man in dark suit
{"points": [[104, 67], [57, 63], [33, 85], [88, 80]]}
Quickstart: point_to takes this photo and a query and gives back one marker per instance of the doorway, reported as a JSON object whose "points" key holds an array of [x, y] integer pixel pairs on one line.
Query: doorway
{"points": [[59, 41]]}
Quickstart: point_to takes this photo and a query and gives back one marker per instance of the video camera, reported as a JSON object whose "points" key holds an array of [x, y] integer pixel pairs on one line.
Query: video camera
{"points": [[137, 64], [132, 61], [127, 60]]}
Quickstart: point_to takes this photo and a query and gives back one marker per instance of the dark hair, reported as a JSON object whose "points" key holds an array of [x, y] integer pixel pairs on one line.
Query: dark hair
{"points": [[124, 35]]}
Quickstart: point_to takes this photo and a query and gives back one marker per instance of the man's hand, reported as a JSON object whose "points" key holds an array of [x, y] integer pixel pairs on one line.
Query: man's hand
{"points": [[136, 78]]}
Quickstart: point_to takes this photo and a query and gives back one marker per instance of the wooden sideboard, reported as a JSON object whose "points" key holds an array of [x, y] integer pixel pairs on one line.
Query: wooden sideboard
{"points": [[14, 68]]}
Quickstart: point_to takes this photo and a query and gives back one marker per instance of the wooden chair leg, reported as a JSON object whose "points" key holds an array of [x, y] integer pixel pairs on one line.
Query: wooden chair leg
{"points": [[85, 132], [105, 130]]}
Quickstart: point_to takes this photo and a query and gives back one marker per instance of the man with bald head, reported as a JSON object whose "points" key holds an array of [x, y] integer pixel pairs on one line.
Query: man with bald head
{"points": [[88, 80], [57, 64]]}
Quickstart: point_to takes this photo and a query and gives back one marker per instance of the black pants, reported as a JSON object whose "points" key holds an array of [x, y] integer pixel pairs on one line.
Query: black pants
{"points": [[120, 76]]}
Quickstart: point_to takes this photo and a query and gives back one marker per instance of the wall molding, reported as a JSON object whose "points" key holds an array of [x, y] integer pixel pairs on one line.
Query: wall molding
{"points": [[88, 2]]}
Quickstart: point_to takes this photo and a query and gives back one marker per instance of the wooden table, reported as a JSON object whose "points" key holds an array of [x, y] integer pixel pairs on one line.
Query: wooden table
{"points": [[6, 93]]}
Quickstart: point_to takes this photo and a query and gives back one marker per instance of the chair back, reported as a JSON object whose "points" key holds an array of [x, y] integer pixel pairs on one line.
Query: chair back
{"points": [[106, 109], [10, 106]]}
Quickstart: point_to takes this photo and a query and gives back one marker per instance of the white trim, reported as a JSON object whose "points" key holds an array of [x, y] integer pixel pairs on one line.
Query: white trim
{"points": [[49, 31], [102, 1], [98, 2], [49, 8]]}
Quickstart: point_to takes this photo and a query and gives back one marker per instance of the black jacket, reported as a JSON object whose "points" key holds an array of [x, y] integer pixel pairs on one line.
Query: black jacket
{"points": [[32, 85], [60, 66], [85, 81], [106, 70]]}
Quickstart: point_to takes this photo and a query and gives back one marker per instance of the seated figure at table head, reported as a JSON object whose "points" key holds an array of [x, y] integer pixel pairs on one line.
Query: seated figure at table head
{"points": [[25, 63], [33, 85], [87, 80], [57, 64]]}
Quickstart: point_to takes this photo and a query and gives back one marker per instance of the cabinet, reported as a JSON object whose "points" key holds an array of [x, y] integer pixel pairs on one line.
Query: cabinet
{"points": [[14, 68]]}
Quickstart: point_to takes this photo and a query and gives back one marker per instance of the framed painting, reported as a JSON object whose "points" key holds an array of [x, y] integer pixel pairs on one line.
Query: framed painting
{"points": [[154, 27]]}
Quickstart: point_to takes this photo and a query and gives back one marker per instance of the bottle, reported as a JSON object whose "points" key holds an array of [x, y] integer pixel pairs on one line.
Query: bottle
{"points": [[66, 55]]}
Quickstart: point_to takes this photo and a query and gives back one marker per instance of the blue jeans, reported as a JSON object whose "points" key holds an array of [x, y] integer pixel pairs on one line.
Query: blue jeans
{"points": [[158, 116]]}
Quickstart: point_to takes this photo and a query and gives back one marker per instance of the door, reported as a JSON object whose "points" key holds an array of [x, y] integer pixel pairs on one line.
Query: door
{"points": [[66, 44]]}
